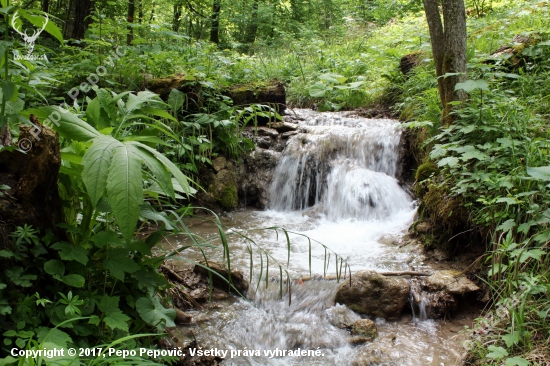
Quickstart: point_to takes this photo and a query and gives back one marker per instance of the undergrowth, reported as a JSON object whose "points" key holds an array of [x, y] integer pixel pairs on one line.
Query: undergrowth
{"points": [[494, 160]]}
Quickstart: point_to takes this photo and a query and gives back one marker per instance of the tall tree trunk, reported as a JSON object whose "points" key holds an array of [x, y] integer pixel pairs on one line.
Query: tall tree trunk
{"points": [[81, 21], [140, 12], [131, 12], [152, 13], [215, 22], [252, 28], [46, 6], [177, 16], [448, 41]]}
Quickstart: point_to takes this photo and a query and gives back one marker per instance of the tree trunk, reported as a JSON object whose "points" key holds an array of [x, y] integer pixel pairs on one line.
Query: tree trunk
{"points": [[215, 22], [32, 197], [46, 6], [140, 12], [177, 16], [449, 49], [131, 12], [81, 21], [252, 28], [152, 17]]}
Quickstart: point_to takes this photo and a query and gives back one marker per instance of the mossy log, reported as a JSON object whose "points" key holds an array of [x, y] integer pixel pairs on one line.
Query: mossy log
{"points": [[513, 53], [33, 197], [410, 61], [272, 92]]}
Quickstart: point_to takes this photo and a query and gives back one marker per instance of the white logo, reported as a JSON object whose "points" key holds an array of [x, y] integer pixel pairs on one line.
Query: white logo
{"points": [[29, 39]]}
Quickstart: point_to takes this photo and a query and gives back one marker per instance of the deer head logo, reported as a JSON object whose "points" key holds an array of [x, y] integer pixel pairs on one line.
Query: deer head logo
{"points": [[29, 39]]}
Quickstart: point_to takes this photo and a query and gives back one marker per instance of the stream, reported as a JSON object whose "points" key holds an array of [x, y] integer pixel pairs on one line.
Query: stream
{"points": [[336, 184]]}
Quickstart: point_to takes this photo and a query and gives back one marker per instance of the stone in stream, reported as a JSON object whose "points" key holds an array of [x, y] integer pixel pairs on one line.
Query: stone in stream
{"points": [[375, 295], [364, 328], [443, 292], [283, 127], [341, 316]]}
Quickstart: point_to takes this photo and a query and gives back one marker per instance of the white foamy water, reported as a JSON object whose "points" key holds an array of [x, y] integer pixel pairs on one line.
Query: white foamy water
{"points": [[335, 184]]}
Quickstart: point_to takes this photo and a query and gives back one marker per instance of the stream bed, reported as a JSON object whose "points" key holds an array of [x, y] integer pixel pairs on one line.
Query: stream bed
{"points": [[336, 184]]}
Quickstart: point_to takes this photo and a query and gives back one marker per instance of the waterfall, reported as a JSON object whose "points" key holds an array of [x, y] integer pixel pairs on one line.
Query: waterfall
{"points": [[345, 164], [336, 183]]}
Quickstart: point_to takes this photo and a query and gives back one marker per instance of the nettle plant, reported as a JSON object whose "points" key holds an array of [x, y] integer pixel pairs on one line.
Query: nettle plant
{"points": [[335, 91]]}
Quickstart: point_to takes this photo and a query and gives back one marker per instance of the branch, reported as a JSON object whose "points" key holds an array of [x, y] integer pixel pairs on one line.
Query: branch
{"points": [[405, 273]]}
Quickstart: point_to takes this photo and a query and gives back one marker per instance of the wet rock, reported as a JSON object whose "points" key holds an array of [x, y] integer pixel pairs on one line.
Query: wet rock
{"points": [[358, 340], [219, 163], [182, 318], [255, 180], [315, 212], [264, 142], [371, 357], [266, 131], [372, 294], [286, 135], [364, 328], [237, 277], [449, 281], [341, 316], [442, 293], [282, 127]]}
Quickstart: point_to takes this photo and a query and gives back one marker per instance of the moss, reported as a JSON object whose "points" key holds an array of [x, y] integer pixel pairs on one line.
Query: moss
{"points": [[228, 198], [424, 172], [443, 209]]}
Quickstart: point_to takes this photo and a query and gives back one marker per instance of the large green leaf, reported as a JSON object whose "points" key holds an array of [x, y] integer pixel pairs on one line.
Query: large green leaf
{"points": [[73, 280], [118, 263], [148, 212], [39, 20], [97, 161], [125, 188], [180, 177], [541, 172], [66, 123], [159, 171], [318, 90], [470, 85], [118, 320], [176, 100], [68, 251], [153, 313]]}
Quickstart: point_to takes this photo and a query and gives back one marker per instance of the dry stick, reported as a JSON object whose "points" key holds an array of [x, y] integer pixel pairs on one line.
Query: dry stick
{"points": [[335, 277], [405, 273], [173, 273]]}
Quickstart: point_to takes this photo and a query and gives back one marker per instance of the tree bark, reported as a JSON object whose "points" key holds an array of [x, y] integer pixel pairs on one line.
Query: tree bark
{"points": [[131, 12], [448, 41], [81, 21], [252, 28], [177, 16], [33, 196], [46, 6], [215, 22]]}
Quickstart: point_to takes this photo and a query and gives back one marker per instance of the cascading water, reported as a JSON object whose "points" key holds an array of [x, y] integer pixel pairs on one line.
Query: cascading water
{"points": [[336, 183], [348, 165]]}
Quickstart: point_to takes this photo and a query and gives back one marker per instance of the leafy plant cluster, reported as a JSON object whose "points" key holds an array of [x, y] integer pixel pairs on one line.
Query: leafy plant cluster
{"points": [[493, 158]]}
